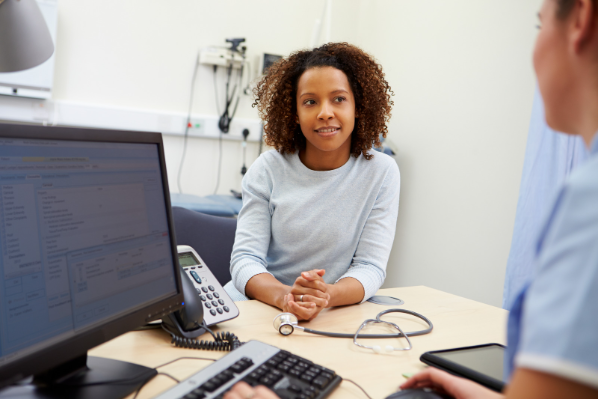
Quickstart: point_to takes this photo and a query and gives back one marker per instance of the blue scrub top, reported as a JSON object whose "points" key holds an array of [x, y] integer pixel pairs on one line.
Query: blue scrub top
{"points": [[553, 324]]}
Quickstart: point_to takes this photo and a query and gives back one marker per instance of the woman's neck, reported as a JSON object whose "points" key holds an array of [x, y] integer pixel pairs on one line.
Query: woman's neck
{"points": [[316, 159]]}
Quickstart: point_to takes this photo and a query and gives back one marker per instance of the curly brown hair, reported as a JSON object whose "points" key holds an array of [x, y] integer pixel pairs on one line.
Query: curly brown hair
{"points": [[275, 96]]}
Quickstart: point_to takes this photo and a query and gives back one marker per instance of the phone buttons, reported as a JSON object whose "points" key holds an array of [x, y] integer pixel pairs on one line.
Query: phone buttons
{"points": [[204, 289], [211, 287], [208, 305], [213, 312], [219, 310], [214, 303], [210, 297], [196, 277], [221, 301], [217, 295], [226, 308], [202, 297]]}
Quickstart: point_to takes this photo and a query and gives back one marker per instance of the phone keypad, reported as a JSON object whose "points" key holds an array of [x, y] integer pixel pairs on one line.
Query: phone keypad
{"points": [[218, 305]]}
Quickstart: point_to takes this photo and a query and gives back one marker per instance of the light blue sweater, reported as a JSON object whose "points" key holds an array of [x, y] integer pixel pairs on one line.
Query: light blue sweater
{"points": [[296, 219]]}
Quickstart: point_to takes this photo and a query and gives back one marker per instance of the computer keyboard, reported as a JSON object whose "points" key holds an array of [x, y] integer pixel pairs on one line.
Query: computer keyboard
{"points": [[289, 376]]}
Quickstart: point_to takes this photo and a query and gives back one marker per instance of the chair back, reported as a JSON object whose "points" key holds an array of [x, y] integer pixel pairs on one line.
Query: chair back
{"points": [[212, 237]]}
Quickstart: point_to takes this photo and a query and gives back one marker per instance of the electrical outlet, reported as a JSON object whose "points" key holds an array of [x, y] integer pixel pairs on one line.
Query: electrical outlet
{"points": [[197, 127], [206, 126], [220, 57]]}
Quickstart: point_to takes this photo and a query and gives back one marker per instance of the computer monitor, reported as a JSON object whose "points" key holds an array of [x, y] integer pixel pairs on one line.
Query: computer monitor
{"points": [[87, 253]]}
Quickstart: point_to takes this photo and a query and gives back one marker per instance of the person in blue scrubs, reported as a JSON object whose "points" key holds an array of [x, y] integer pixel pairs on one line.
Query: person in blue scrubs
{"points": [[553, 325]]}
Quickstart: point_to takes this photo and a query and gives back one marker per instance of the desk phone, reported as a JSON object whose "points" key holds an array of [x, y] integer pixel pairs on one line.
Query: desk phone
{"points": [[206, 303], [217, 305]]}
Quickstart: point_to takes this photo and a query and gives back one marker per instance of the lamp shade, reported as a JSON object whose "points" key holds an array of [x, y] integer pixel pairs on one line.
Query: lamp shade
{"points": [[25, 40]]}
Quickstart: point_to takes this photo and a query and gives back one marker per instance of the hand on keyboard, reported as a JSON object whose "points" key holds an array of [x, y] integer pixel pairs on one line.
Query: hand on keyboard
{"points": [[242, 390]]}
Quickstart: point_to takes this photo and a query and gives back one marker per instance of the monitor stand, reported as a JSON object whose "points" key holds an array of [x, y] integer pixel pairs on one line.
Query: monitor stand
{"points": [[84, 377]]}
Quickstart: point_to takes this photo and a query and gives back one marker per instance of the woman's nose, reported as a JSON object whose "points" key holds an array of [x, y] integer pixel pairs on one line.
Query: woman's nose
{"points": [[325, 112]]}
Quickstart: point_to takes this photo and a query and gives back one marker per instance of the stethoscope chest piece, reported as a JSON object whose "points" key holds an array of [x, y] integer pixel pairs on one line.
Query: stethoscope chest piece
{"points": [[285, 323]]}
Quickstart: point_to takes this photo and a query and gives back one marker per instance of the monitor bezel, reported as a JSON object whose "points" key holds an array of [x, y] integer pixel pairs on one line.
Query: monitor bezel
{"points": [[78, 345]]}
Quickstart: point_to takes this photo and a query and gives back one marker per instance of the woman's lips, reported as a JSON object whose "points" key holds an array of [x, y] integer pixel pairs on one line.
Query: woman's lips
{"points": [[328, 131]]}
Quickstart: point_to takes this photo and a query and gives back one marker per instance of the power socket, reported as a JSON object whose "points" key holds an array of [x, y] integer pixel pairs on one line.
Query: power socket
{"points": [[220, 57]]}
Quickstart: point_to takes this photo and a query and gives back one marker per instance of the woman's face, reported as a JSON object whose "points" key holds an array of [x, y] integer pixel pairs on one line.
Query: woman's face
{"points": [[553, 70], [326, 110]]}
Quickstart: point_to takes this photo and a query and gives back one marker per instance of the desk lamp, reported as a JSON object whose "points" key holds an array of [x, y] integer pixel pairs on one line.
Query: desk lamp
{"points": [[25, 40]]}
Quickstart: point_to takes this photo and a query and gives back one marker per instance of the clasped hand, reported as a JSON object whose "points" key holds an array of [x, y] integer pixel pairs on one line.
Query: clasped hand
{"points": [[308, 295]]}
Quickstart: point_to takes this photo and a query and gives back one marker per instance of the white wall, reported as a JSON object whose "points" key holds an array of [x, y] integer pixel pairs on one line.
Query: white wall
{"points": [[463, 78], [460, 69], [140, 55]]}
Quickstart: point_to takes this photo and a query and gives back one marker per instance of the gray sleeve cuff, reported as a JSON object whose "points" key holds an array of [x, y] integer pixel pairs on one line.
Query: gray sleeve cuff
{"points": [[371, 279], [244, 272]]}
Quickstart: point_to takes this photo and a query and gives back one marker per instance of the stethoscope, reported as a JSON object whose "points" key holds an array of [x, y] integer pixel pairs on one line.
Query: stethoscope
{"points": [[286, 323]]}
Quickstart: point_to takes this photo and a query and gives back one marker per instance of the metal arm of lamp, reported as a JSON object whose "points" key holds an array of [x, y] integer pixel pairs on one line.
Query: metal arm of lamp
{"points": [[25, 40]]}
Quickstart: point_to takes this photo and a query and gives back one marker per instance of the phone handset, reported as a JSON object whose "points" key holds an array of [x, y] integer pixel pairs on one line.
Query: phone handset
{"points": [[206, 303]]}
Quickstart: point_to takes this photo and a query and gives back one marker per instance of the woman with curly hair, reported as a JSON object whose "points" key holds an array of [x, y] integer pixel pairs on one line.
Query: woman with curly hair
{"points": [[319, 211]]}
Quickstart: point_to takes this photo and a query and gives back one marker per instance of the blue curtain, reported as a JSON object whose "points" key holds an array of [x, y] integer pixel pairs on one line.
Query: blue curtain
{"points": [[549, 158]]}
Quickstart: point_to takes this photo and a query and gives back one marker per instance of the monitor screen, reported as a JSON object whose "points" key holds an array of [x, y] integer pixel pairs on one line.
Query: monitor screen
{"points": [[85, 236]]}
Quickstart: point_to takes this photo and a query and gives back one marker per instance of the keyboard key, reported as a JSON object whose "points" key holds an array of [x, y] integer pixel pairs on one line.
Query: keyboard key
{"points": [[267, 381], [327, 375], [227, 375], [295, 373], [320, 382], [283, 367], [282, 394], [294, 388], [208, 386], [243, 365]]}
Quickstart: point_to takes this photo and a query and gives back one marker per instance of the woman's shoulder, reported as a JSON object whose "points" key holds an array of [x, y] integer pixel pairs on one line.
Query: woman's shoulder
{"points": [[379, 164], [268, 166], [273, 159]]}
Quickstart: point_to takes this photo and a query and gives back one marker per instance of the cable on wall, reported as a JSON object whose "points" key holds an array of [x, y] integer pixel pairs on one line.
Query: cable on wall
{"points": [[186, 136]]}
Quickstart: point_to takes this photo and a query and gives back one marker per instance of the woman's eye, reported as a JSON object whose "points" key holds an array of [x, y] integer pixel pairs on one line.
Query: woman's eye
{"points": [[340, 99], [309, 102]]}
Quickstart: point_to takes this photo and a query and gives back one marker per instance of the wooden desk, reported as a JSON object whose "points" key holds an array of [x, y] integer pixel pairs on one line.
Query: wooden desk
{"points": [[457, 322]]}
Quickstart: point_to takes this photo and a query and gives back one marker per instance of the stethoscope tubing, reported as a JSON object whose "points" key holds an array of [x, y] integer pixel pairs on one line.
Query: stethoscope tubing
{"points": [[397, 335]]}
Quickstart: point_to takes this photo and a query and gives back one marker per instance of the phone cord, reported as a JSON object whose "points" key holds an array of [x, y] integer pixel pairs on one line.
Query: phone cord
{"points": [[223, 341]]}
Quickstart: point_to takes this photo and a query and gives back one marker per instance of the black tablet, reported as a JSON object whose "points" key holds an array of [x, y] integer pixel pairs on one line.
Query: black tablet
{"points": [[481, 363]]}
